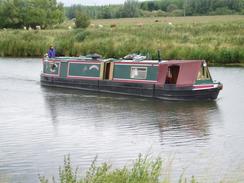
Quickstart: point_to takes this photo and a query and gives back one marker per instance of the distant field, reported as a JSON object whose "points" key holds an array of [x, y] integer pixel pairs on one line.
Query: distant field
{"points": [[174, 20], [217, 39]]}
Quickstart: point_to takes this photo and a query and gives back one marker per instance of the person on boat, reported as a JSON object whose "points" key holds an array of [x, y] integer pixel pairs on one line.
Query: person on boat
{"points": [[51, 52]]}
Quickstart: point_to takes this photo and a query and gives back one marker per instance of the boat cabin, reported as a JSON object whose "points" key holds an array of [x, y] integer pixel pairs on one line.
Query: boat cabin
{"points": [[175, 72]]}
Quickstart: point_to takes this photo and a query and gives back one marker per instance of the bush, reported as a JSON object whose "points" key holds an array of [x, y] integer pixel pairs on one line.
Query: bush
{"points": [[81, 20], [171, 7], [64, 44], [156, 13], [242, 12], [160, 13], [143, 170], [221, 11], [177, 13], [80, 34]]}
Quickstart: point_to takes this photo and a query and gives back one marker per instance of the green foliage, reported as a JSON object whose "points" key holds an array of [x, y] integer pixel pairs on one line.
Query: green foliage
{"points": [[129, 9], [80, 35], [133, 8], [206, 7], [144, 170], [171, 7], [20, 43], [217, 39], [177, 12], [67, 174], [64, 44], [221, 11], [105, 12], [30, 13], [81, 20]]}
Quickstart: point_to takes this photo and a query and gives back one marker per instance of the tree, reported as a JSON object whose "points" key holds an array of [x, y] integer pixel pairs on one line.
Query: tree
{"points": [[10, 14], [19, 13], [130, 9], [171, 7], [81, 20], [105, 13]]}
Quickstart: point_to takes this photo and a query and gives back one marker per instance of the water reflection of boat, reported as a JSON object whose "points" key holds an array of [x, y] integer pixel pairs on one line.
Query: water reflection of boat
{"points": [[193, 119], [169, 80], [108, 110]]}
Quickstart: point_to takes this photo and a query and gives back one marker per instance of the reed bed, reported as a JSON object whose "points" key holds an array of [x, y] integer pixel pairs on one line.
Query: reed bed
{"points": [[143, 170], [219, 40]]}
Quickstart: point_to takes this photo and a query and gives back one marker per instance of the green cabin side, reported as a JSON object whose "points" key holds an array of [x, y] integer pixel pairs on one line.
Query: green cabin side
{"points": [[72, 69], [84, 69], [63, 69], [144, 72]]}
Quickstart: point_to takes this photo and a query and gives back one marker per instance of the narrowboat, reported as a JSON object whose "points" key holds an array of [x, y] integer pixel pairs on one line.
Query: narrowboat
{"points": [[161, 79]]}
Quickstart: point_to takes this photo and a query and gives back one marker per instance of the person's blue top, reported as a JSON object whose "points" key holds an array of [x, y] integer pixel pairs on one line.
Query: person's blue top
{"points": [[51, 53]]}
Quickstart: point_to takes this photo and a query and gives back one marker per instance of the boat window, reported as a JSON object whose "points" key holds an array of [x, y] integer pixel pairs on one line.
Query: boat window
{"points": [[138, 72], [204, 74], [172, 75], [53, 67]]}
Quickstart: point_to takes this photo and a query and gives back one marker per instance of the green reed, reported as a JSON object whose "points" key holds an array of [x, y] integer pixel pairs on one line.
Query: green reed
{"points": [[143, 170], [219, 42]]}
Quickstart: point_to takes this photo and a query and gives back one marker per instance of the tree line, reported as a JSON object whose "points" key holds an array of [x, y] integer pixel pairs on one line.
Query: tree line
{"points": [[46, 13], [30, 13], [133, 8], [196, 7]]}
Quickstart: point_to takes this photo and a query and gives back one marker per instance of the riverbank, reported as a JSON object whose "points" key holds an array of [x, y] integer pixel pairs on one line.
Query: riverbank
{"points": [[217, 39], [143, 170]]}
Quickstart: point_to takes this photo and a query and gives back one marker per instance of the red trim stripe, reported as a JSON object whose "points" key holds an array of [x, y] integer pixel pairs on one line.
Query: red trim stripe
{"points": [[134, 81], [75, 61], [83, 77], [136, 63], [82, 62], [203, 86]]}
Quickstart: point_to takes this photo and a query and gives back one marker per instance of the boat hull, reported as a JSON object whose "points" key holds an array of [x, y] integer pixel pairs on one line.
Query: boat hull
{"points": [[167, 92]]}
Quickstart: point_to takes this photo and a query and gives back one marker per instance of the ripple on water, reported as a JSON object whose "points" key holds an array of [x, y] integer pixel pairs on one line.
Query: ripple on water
{"points": [[38, 126]]}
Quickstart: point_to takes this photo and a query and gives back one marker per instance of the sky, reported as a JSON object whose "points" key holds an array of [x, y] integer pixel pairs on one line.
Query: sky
{"points": [[91, 2]]}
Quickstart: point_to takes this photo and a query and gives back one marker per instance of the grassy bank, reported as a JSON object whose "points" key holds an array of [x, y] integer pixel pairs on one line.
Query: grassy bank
{"points": [[144, 170], [217, 39]]}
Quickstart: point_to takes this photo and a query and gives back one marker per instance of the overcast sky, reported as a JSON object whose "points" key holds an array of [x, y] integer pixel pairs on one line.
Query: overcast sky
{"points": [[91, 2]]}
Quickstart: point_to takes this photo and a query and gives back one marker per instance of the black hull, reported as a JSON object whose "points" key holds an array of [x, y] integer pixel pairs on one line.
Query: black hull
{"points": [[168, 92]]}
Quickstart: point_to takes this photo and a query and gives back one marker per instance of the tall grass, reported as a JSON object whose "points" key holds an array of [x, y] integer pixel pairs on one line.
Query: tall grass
{"points": [[144, 170], [218, 40]]}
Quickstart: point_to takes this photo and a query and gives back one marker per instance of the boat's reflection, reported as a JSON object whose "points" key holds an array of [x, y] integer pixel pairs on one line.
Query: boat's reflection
{"points": [[103, 110]]}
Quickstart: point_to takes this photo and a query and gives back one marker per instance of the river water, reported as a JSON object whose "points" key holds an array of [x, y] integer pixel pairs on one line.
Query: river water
{"points": [[39, 125]]}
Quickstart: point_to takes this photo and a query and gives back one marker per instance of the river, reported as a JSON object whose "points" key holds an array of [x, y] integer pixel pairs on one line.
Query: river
{"points": [[39, 125]]}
